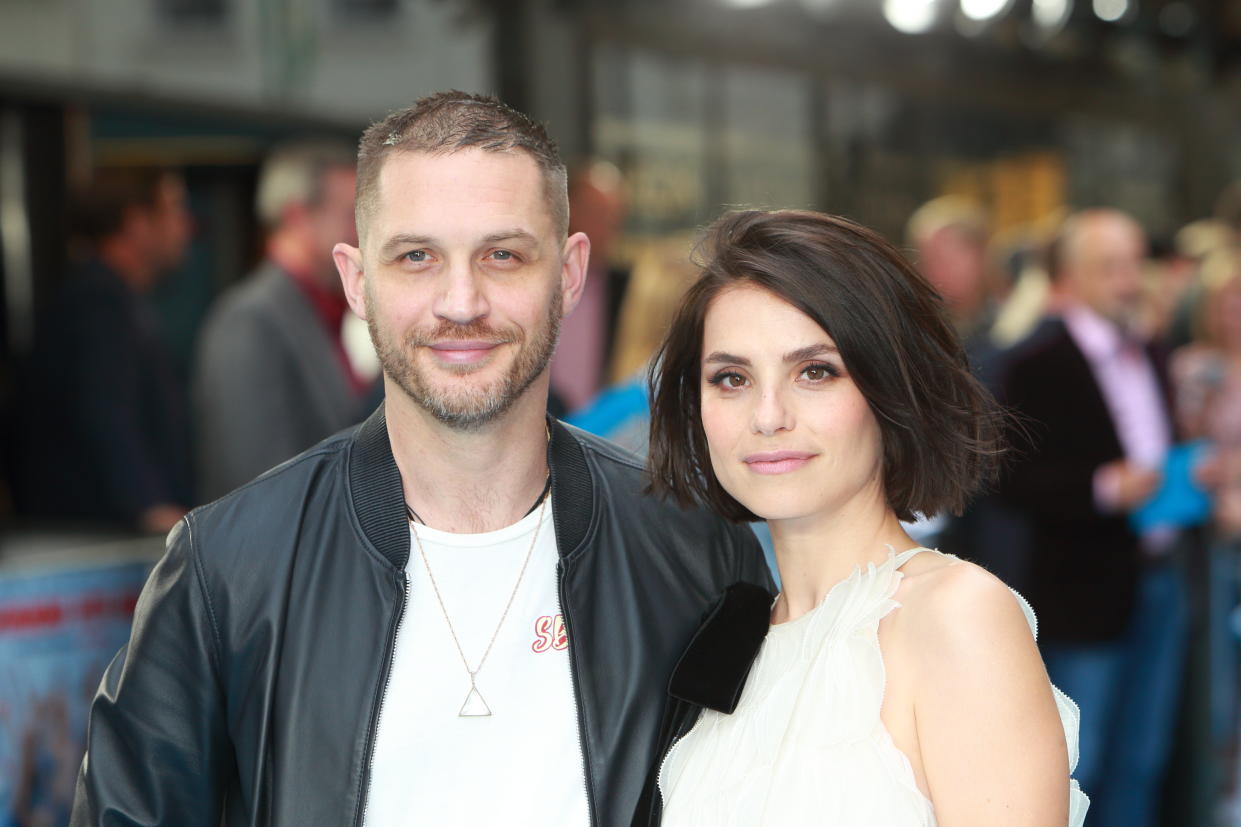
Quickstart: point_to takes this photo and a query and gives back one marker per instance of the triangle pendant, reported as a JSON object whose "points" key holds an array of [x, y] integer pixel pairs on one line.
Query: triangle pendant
{"points": [[474, 706]]}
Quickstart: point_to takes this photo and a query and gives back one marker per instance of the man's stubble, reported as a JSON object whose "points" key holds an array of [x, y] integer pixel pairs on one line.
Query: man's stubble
{"points": [[464, 408]]}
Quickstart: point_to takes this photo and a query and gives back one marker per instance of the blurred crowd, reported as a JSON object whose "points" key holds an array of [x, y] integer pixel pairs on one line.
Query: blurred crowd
{"points": [[110, 435], [1118, 357]]}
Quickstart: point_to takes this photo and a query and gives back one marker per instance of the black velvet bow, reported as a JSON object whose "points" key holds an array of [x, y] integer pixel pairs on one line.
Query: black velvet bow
{"points": [[714, 666]]}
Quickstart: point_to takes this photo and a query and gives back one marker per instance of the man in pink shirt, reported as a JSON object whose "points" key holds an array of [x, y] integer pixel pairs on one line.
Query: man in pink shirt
{"points": [[1111, 599]]}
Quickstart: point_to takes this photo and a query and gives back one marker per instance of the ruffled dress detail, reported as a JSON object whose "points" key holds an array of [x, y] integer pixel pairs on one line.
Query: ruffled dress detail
{"points": [[806, 744]]}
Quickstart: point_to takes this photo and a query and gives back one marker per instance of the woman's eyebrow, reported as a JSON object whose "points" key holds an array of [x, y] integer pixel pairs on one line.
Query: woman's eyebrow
{"points": [[726, 358], [799, 355], [809, 352]]}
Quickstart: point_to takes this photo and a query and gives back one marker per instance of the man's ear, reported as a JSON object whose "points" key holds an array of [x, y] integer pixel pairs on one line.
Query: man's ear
{"points": [[574, 260], [349, 264]]}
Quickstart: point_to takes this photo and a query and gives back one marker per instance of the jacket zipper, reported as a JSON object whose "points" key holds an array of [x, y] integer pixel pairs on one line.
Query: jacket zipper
{"points": [[676, 742], [377, 717], [577, 695]]}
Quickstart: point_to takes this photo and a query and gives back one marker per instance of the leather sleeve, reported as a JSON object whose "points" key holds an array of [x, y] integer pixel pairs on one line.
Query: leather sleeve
{"points": [[157, 748]]}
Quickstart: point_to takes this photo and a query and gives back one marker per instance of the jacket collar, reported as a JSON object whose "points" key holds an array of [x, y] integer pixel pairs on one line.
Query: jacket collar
{"points": [[379, 502], [713, 669]]}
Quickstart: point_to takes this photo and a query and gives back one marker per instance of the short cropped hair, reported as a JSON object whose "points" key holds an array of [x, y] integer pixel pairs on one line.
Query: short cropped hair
{"points": [[940, 429], [293, 173], [448, 122]]}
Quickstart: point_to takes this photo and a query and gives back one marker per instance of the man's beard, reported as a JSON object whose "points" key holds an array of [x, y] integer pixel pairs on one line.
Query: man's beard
{"points": [[467, 408]]}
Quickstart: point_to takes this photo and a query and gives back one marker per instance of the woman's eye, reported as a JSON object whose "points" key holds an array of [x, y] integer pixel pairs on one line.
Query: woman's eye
{"points": [[817, 373], [731, 381]]}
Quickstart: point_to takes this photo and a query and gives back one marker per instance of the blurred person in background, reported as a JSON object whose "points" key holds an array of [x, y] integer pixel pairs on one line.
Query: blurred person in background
{"points": [[1206, 377], [1034, 296], [1192, 245], [273, 376], [1110, 596], [950, 236], [621, 412], [579, 367], [106, 440]]}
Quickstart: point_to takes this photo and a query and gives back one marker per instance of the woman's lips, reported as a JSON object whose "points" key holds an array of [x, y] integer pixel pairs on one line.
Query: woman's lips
{"points": [[778, 462], [464, 352]]}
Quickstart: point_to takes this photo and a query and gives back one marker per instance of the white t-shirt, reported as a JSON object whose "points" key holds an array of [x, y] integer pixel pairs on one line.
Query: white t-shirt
{"points": [[523, 764]]}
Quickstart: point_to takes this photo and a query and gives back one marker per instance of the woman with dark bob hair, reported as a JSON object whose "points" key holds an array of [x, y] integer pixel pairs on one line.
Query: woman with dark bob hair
{"points": [[811, 379]]}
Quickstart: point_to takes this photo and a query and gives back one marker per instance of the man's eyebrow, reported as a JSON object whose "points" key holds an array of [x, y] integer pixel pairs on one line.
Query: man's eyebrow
{"points": [[726, 358], [511, 235], [400, 240], [809, 352]]}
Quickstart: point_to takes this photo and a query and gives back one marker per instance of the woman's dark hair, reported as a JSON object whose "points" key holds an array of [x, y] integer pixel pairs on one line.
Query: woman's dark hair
{"points": [[940, 428]]}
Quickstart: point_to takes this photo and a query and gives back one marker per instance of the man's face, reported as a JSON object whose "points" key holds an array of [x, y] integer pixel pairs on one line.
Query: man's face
{"points": [[167, 226], [1104, 267], [463, 281], [956, 264]]}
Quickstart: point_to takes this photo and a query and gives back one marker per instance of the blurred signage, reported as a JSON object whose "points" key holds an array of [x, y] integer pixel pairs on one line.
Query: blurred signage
{"points": [[58, 632]]}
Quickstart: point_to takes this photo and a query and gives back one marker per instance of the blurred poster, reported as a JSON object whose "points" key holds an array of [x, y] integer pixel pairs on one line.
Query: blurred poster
{"points": [[58, 631]]}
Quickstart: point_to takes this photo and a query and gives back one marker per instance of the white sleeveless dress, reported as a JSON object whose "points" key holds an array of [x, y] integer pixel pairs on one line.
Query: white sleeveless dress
{"points": [[806, 744]]}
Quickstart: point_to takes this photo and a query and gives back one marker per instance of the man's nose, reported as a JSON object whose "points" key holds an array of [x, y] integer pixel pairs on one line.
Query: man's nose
{"points": [[461, 298]]}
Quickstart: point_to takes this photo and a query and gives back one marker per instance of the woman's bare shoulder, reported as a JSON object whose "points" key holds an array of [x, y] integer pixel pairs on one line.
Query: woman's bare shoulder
{"points": [[956, 605]]}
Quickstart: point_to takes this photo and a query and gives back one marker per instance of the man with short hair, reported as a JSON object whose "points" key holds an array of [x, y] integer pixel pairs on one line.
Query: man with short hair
{"points": [[104, 434], [950, 236], [463, 612], [273, 376], [1108, 590]]}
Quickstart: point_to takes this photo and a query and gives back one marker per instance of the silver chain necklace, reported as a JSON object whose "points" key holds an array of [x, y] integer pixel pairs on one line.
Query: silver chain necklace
{"points": [[475, 706]]}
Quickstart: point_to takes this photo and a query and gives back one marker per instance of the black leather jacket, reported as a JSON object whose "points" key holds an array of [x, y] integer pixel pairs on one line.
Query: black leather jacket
{"points": [[249, 691]]}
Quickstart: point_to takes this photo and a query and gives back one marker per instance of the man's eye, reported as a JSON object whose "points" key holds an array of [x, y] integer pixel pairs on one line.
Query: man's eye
{"points": [[416, 256], [502, 255]]}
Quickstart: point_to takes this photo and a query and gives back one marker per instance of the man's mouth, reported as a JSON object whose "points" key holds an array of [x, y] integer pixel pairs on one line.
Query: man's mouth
{"points": [[464, 352]]}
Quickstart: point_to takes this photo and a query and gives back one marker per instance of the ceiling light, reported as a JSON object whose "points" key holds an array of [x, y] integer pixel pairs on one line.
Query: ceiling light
{"points": [[1110, 11], [1051, 14], [911, 16], [983, 10]]}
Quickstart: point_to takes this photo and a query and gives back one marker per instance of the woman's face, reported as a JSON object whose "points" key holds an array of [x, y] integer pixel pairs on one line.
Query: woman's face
{"points": [[789, 433]]}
